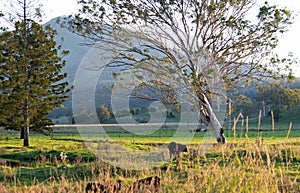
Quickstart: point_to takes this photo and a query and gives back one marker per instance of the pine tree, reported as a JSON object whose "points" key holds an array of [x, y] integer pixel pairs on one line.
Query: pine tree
{"points": [[31, 82]]}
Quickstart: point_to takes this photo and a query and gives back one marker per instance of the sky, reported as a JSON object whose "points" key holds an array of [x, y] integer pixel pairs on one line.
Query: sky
{"points": [[288, 43]]}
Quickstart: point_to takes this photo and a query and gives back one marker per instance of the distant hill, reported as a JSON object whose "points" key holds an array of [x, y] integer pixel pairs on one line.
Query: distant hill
{"points": [[78, 50], [295, 84], [72, 42]]}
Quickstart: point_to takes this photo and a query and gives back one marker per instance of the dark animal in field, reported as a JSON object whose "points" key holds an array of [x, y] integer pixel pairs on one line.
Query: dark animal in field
{"points": [[101, 188], [94, 187], [12, 163], [175, 149], [150, 184], [222, 138]]}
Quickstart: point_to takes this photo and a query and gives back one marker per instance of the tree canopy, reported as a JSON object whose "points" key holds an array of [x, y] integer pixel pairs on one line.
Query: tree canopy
{"points": [[206, 43], [277, 98]]}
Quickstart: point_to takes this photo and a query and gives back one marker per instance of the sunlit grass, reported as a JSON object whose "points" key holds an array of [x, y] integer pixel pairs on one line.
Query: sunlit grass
{"points": [[266, 164], [252, 161]]}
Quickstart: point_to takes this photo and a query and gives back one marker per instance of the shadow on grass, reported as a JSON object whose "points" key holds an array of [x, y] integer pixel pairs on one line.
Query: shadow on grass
{"points": [[32, 158]]}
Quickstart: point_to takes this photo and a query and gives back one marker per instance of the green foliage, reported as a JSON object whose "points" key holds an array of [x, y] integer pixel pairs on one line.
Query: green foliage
{"points": [[277, 98], [103, 113], [218, 29], [31, 82], [242, 104], [277, 114], [191, 46], [137, 111]]}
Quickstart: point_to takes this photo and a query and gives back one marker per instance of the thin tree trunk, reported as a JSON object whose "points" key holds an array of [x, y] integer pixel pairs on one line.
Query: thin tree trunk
{"points": [[26, 108], [26, 136], [26, 121], [26, 127]]}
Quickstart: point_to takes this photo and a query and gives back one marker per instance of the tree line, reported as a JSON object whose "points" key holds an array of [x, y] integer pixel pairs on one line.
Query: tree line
{"points": [[267, 97]]}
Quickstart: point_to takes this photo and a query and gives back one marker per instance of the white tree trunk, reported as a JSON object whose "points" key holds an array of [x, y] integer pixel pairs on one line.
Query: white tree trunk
{"points": [[211, 120], [215, 126]]}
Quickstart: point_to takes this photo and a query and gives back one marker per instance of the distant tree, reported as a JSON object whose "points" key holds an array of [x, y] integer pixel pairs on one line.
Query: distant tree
{"points": [[131, 111], [276, 98], [155, 90], [293, 97], [193, 40], [137, 111], [297, 93], [31, 82], [243, 104], [82, 117], [295, 84], [103, 113], [276, 113], [60, 112]]}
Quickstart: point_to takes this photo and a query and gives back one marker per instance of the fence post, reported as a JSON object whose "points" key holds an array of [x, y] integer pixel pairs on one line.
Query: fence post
{"points": [[273, 124], [289, 131], [247, 125]]}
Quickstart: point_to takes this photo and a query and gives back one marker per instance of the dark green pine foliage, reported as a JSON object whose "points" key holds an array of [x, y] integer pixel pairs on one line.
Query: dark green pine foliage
{"points": [[31, 82]]}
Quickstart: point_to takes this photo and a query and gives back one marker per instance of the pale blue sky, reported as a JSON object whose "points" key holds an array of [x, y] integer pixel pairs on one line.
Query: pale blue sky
{"points": [[288, 43]]}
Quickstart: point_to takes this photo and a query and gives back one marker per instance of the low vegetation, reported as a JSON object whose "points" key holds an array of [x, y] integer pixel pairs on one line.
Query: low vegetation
{"points": [[65, 164]]}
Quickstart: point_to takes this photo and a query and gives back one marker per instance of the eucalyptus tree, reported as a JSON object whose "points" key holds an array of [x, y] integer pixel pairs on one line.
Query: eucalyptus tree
{"points": [[206, 43], [31, 82], [276, 98]]}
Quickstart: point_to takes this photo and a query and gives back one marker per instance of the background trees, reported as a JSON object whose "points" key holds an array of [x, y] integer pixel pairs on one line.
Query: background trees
{"points": [[277, 98], [206, 43], [242, 104], [103, 113], [31, 82]]}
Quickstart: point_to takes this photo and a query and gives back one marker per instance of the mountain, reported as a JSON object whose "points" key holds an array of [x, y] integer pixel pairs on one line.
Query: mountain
{"points": [[79, 53], [72, 42], [78, 50]]}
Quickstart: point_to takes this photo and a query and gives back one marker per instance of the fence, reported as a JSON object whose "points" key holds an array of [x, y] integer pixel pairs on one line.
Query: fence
{"points": [[151, 130]]}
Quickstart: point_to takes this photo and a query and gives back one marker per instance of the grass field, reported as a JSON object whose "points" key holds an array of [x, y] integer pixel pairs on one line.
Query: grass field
{"points": [[253, 161], [262, 162]]}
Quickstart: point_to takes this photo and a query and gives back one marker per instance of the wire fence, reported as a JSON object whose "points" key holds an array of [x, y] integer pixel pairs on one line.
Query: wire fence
{"points": [[90, 131], [103, 131]]}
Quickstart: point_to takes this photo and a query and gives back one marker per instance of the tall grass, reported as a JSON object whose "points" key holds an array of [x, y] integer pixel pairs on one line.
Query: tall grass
{"points": [[248, 164]]}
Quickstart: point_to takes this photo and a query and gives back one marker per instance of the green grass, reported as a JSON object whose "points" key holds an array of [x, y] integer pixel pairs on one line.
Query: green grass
{"points": [[287, 117], [245, 165], [268, 161]]}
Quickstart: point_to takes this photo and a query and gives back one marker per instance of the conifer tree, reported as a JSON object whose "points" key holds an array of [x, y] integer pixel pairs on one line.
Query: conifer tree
{"points": [[31, 82]]}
